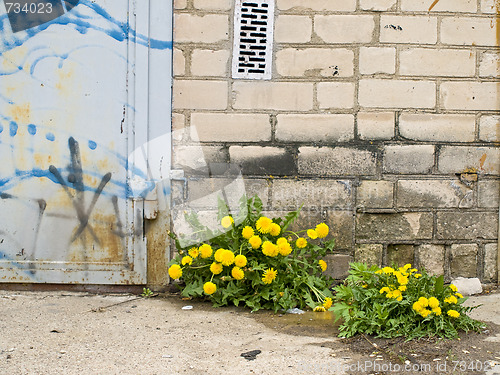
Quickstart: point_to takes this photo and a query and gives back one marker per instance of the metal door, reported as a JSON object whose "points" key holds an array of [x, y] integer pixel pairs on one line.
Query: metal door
{"points": [[72, 110]]}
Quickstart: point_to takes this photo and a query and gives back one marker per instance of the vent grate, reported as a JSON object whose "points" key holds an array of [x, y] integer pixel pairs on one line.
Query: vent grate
{"points": [[253, 39]]}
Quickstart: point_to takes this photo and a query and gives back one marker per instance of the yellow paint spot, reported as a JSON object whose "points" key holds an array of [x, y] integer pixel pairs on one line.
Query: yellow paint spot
{"points": [[21, 113]]}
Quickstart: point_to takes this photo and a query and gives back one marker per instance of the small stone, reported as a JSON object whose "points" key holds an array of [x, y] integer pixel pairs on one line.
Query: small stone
{"points": [[188, 307], [468, 286], [167, 356]]}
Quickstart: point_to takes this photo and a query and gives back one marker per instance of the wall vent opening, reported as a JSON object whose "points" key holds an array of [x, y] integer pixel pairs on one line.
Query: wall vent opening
{"points": [[253, 39]]}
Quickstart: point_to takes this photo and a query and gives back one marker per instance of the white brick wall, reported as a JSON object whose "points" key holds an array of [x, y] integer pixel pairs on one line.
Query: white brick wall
{"points": [[373, 106]]}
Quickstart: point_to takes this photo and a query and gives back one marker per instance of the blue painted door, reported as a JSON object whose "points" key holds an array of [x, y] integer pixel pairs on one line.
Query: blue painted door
{"points": [[71, 113]]}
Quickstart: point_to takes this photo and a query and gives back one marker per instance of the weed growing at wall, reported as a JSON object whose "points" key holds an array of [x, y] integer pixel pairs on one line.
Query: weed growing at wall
{"points": [[389, 302], [257, 262]]}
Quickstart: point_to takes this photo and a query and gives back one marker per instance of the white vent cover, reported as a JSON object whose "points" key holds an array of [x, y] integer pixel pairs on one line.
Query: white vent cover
{"points": [[253, 39]]}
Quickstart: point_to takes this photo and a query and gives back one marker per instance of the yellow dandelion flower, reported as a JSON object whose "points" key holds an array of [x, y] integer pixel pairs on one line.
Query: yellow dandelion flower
{"points": [[269, 249], [255, 242], [209, 287], [327, 303], [281, 240], [400, 298], [417, 275], [312, 234], [396, 293], [227, 221], [437, 311], [319, 309], [284, 248], [275, 229], [406, 267], [402, 280], [459, 295], [365, 286], [451, 300], [269, 275], [402, 288], [425, 313], [227, 257], [322, 230], [193, 252], [237, 273], [388, 270], [205, 251], [247, 232], [240, 261], [378, 272], [423, 301], [453, 287], [413, 270], [301, 243], [417, 306], [186, 260], [216, 268], [453, 313], [384, 290], [433, 302], [218, 255], [263, 224], [175, 271], [323, 265]]}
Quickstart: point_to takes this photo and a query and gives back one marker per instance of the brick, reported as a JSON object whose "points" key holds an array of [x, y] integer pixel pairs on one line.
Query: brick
{"points": [[335, 94], [315, 128], [209, 63], [463, 260], [455, 6], [317, 5], [257, 160], [179, 62], [461, 225], [326, 161], [457, 159], [180, 4], [489, 65], [178, 126], [291, 194], [431, 258], [211, 28], [489, 6], [195, 158], [489, 128], [408, 159], [292, 96], [375, 194], [204, 192], [193, 94], [470, 95], [488, 193], [341, 225], [229, 127], [434, 193], [371, 254], [400, 255], [213, 4], [437, 127], [293, 29], [394, 227], [337, 265], [376, 125], [315, 62], [378, 5], [391, 93], [437, 62], [374, 60], [491, 262], [470, 31], [408, 29], [344, 28]]}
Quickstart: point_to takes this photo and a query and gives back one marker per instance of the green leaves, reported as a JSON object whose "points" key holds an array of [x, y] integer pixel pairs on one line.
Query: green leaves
{"points": [[368, 303]]}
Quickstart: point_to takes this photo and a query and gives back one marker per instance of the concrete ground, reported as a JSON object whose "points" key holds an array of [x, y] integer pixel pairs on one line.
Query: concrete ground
{"points": [[81, 333]]}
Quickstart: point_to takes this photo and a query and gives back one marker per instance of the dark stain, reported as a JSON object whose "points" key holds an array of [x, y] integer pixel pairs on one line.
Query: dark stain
{"points": [[393, 27]]}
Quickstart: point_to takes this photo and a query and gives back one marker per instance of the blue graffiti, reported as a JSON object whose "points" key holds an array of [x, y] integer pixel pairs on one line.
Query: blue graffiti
{"points": [[114, 28]]}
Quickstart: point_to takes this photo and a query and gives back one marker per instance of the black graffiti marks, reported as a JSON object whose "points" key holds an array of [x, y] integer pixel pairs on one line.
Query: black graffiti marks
{"points": [[75, 178]]}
